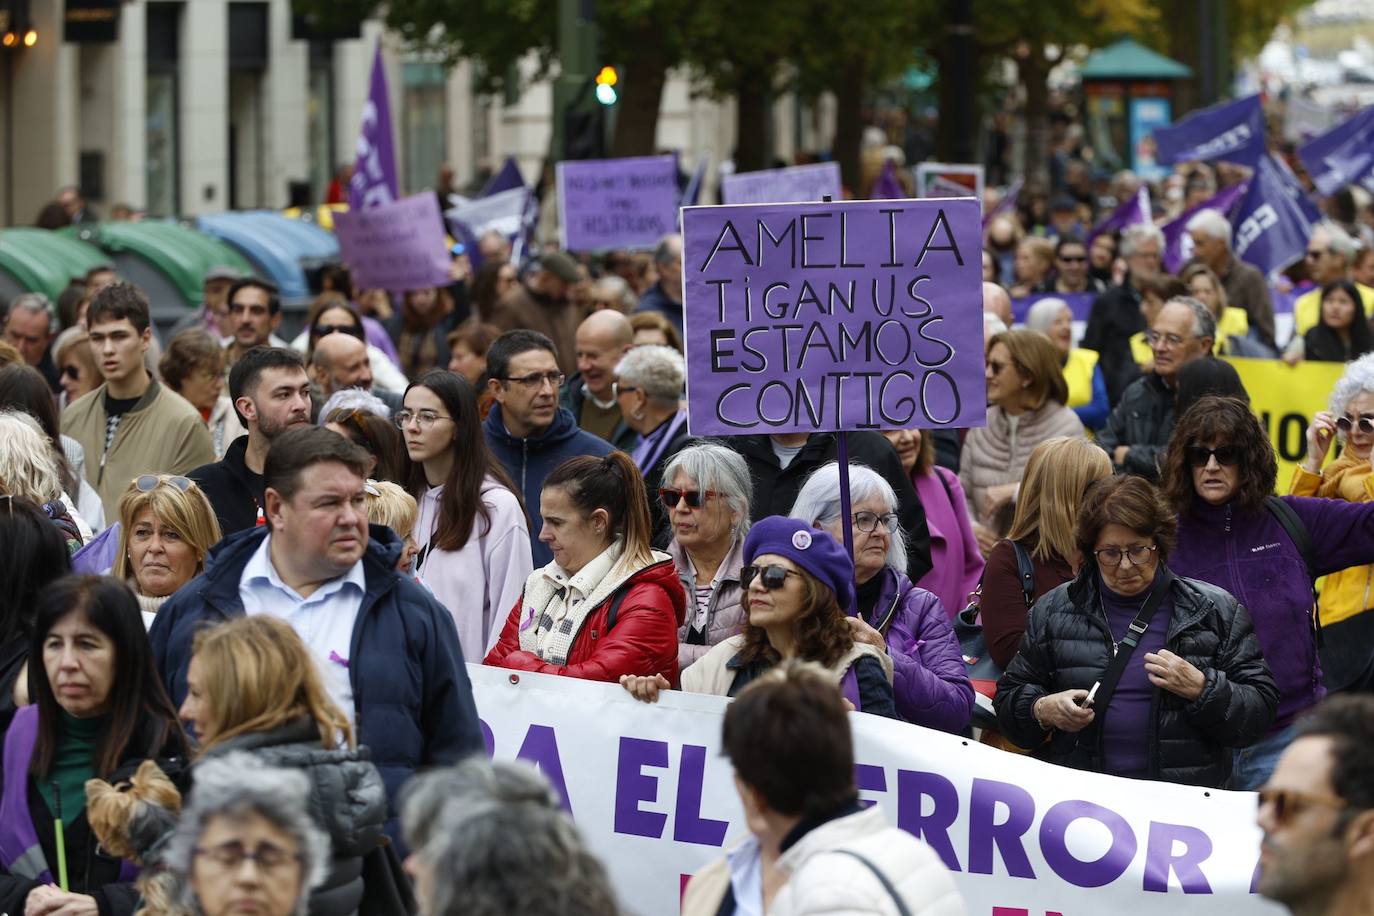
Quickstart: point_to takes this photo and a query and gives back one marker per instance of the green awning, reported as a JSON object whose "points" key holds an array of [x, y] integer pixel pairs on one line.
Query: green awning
{"points": [[40, 261], [1130, 60], [179, 254]]}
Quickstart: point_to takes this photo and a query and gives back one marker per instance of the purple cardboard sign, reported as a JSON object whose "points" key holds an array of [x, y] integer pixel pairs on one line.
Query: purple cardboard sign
{"points": [[833, 316], [399, 245], [1081, 304], [617, 203], [777, 186]]}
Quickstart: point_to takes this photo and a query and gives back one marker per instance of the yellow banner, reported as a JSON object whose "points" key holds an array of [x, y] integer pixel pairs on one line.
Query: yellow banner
{"points": [[1286, 398]]}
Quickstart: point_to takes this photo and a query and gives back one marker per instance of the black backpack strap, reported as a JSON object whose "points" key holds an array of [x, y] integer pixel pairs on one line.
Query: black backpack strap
{"points": [[1126, 647], [1297, 533], [1026, 569], [882, 879], [617, 600]]}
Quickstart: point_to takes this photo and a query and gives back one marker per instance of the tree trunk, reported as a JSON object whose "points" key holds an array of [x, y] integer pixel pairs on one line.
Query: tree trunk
{"points": [[849, 126], [752, 116], [1034, 71], [641, 96]]}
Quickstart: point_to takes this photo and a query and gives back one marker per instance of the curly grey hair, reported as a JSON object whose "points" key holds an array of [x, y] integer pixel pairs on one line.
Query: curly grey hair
{"points": [[497, 842], [239, 785], [714, 466], [819, 502], [354, 399], [656, 370], [1357, 379], [1042, 315]]}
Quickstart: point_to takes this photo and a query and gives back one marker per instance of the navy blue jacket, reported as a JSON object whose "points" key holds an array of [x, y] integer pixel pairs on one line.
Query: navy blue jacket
{"points": [[529, 461], [411, 691]]}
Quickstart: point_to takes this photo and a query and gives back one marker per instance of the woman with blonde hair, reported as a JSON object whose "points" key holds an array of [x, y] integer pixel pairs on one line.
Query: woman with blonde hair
{"points": [[1026, 398], [166, 529], [1206, 287], [29, 469], [253, 686], [1059, 472]]}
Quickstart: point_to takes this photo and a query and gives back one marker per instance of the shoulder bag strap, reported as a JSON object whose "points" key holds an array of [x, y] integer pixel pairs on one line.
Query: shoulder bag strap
{"points": [[1026, 569], [882, 879], [1124, 649]]}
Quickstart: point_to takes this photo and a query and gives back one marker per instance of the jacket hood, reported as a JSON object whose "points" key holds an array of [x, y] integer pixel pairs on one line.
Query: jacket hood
{"points": [[564, 427], [663, 573]]}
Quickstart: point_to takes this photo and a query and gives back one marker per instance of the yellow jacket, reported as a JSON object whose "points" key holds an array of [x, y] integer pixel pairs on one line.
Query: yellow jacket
{"points": [[1078, 373], [1350, 591], [1307, 309]]}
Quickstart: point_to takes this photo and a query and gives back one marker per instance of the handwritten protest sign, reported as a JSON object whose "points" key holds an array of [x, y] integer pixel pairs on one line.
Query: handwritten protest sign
{"points": [[617, 203], [839, 316], [397, 246], [779, 186]]}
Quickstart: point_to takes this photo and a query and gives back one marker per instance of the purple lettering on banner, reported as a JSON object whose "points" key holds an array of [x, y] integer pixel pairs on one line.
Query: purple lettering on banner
{"points": [[913, 787], [617, 203], [795, 184], [869, 778], [1081, 304], [984, 832], [398, 245], [1103, 871], [688, 824], [633, 786], [824, 317], [541, 749], [1160, 858], [1255, 878], [488, 738]]}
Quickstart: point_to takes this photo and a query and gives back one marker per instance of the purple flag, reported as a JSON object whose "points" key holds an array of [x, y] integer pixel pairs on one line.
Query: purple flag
{"points": [[1132, 212], [1273, 219], [1316, 153], [374, 170], [1007, 204], [1178, 244], [862, 314], [887, 187], [1233, 131], [507, 179]]}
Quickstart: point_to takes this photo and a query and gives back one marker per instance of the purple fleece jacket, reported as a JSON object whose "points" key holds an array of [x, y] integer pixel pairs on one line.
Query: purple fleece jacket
{"points": [[1252, 557], [929, 683]]}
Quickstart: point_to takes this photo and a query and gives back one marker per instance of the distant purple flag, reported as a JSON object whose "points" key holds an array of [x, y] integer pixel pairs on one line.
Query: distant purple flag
{"points": [[887, 187], [505, 180], [1178, 245], [1316, 153], [1006, 204], [692, 193], [374, 170], [1273, 219], [1132, 212], [1233, 131]]}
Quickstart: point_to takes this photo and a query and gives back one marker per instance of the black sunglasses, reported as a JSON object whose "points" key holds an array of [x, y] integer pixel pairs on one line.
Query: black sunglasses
{"points": [[71, 372], [772, 577], [352, 330], [694, 498], [1226, 455], [1364, 423]]}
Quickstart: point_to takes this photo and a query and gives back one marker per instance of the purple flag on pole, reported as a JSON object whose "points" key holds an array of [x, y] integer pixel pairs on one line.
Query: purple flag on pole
{"points": [[1006, 204], [1316, 153], [1233, 131], [1131, 212], [1273, 219], [887, 187], [692, 193], [1178, 244], [507, 179], [374, 170]]}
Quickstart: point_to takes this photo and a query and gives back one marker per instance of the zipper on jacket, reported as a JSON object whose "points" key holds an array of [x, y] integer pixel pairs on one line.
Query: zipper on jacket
{"points": [[1228, 518]]}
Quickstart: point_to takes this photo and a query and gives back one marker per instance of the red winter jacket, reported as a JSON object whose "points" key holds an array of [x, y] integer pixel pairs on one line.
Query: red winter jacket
{"points": [[643, 641]]}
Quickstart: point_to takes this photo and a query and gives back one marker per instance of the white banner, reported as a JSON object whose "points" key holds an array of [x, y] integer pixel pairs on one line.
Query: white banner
{"points": [[650, 791]]}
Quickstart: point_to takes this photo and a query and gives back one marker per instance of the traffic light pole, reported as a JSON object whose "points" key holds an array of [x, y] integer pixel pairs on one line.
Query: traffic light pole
{"points": [[576, 61]]}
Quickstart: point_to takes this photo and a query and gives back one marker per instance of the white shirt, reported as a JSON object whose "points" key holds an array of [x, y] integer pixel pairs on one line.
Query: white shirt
{"points": [[324, 621], [746, 877]]}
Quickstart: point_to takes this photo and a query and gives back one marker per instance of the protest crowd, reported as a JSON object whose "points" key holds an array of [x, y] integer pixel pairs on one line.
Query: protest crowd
{"points": [[247, 575]]}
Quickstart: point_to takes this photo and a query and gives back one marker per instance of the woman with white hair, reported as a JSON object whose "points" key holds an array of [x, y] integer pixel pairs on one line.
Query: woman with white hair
{"points": [[28, 469], [929, 682], [1347, 651], [489, 839], [1087, 385], [649, 389], [242, 810], [706, 499]]}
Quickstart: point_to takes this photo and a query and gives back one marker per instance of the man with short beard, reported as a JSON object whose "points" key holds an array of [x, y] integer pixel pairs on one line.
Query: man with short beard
{"points": [[271, 394]]}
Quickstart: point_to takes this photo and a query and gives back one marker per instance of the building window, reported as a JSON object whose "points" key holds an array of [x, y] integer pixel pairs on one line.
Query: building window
{"points": [[320, 118], [162, 155], [426, 125]]}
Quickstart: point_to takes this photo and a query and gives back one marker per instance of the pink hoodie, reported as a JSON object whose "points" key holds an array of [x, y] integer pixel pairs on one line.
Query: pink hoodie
{"points": [[957, 562]]}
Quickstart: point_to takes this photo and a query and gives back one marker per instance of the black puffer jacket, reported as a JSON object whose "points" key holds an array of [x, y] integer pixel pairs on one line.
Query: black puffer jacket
{"points": [[1143, 420], [347, 801], [1068, 643]]}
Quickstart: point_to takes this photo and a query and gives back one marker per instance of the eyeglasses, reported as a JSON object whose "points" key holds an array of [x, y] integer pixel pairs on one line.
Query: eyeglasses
{"points": [[1364, 423], [536, 380], [147, 483], [423, 418], [1312, 255], [1288, 803], [996, 366], [1167, 340], [618, 389], [771, 577], [1226, 455], [1136, 554], [693, 498], [868, 522], [231, 856], [71, 371], [352, 330]]}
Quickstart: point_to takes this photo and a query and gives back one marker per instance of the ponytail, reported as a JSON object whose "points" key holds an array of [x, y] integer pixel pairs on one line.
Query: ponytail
{"points": [[613, 484]]}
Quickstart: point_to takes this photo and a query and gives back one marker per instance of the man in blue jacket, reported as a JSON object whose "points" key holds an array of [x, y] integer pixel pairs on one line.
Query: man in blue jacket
{"points": [[388, 652], [526, 429]]}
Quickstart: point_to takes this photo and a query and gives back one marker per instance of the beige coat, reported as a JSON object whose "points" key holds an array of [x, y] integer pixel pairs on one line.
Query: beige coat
{"points": [[997, 453]]}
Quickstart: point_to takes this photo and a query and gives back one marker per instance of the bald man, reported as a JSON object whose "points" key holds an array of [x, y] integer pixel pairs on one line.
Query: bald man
{"points": [[997, 302], [602, 339]]}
